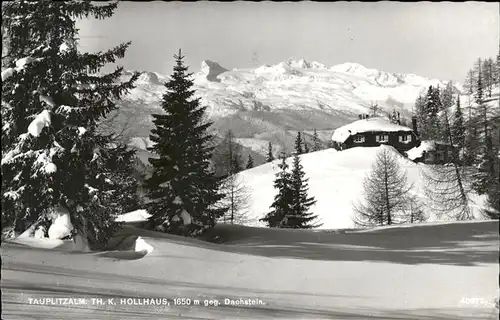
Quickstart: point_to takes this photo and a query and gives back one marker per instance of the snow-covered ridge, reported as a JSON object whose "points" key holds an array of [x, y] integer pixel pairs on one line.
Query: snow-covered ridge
{"points": [[290, 84]]}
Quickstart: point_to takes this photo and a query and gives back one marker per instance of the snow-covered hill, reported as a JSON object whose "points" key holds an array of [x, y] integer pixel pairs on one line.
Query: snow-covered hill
{"points": [[272, 102], [335, 180]]}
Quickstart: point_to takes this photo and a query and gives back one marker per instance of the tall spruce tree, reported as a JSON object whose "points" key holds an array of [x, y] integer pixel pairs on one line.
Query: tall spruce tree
{"points": [[270, 156], [298, 144], [458, 126], [183, 189], [283, 199], [316, 142], [430, 129], [250, 163], [53, 158], [299, 216]]}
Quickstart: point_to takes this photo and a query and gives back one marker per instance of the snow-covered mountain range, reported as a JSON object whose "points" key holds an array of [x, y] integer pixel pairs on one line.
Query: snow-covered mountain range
{"points": [[273, 102]]}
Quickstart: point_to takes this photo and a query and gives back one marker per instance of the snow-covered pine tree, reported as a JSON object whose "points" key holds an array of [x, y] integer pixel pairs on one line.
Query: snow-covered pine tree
{"points": [[316, 142], [270, 156], [183, 190], [298, 144], [53, 159], [300, 217], [458, 126], [250, 163], [306, 146], [283, 199], [430, 121], [386, 193]]}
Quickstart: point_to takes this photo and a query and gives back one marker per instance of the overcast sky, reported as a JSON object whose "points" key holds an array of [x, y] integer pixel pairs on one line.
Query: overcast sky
{"points": [[436, 40]]}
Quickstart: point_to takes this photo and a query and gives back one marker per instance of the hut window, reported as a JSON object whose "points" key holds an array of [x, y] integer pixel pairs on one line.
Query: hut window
{"points": [[406, 138], [359, 138], [382, 138]]}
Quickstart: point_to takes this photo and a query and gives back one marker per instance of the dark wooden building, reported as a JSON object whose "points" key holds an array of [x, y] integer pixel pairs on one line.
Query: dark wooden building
{"points": [[373, 132]]}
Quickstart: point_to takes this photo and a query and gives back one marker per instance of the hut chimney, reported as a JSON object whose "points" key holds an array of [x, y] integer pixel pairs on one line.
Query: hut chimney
{"points": [[414, 125]]}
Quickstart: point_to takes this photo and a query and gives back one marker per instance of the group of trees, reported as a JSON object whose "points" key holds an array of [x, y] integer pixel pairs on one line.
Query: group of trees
{"points": [[300, 145], [474, 166], [290, 208], [55, 154]]}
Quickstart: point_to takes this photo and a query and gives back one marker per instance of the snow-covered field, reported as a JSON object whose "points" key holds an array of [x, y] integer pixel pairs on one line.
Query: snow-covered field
{"points": [[437, 271], [336, 182]]}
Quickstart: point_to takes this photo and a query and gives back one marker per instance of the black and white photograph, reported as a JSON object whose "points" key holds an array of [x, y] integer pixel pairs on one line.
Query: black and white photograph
{"points": [[250, 160]]}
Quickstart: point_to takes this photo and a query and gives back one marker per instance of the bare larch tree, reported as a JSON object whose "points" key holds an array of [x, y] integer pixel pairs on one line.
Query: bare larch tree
{"points": [[386, 192]]}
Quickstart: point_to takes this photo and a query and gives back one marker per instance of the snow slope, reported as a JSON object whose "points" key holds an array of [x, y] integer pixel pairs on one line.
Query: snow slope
{"points": [[335, 180], [443, 272], [273, 102]]}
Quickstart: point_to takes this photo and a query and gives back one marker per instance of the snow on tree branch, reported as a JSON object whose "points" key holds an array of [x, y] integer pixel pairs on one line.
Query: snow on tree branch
{"points": [[41, 121]]}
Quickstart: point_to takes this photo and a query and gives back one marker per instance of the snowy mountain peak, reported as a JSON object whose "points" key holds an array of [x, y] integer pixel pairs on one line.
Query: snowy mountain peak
{"points": [[300, 63], [210, 70], [353, 68], [149, 78]]}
